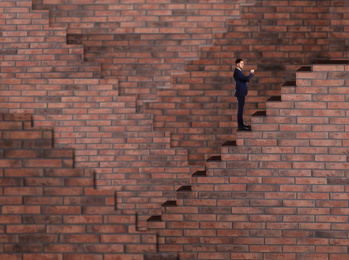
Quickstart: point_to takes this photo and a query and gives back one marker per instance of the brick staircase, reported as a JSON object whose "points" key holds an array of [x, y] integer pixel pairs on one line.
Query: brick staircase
{"points": [[279, 191], [275, 38], [144, 54], [50, 80]]}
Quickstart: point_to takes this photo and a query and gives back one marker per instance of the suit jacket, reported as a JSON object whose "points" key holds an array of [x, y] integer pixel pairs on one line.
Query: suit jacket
{"points": [[240, 81]]}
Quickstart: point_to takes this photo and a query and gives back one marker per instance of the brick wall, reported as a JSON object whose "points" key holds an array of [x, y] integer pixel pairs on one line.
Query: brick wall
{"points": [[50, 210], [141, 42], [142, 130]]}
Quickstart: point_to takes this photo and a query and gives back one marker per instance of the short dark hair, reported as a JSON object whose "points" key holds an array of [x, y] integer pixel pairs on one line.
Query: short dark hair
{"points": [[238, 61]]}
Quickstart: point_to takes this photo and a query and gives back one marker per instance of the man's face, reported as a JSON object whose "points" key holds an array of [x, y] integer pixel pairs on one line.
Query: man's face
{"points": [[240, 65]]}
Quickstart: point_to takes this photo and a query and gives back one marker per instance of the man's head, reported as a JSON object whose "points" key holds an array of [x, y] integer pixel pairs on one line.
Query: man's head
{"points": [[239, 63]]}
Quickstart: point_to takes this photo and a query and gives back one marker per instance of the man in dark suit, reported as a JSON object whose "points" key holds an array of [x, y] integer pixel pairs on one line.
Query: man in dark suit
{"points": [[241, 91]]}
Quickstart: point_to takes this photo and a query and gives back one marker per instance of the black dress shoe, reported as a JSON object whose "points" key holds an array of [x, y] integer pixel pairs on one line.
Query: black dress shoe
{"points": [[247, 126], [244, 128]]}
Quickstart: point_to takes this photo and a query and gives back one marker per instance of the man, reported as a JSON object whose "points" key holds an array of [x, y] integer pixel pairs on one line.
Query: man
{"points": [[241, 92]]}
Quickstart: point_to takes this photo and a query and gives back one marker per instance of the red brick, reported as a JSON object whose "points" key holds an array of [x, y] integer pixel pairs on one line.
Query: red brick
{"points": [[63, 191], [7, 163], [10, 257], [82, 219], [22, 191], [25, 229], [124, 257], [22, 135], [129, 248], [207, 255], [82, 257], [337, 256], [61, 210], [62, 248], [120, 238], [10, 219], [85, 238], [43, 182], [65, 229], [299, 249], [42, 163], [42, 200], [42, 257], [250, 256], [104, 248], [280, 256]]}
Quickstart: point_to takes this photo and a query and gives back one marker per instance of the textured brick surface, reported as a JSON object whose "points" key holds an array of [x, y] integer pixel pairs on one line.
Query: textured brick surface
{"points": [[50, 210], [275, 38], [277, 193], [141, 42], [197, 107], [99, 75], [87, 114]]}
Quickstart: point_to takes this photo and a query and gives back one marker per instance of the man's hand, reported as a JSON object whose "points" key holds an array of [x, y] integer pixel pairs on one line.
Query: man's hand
{"points": [[252, 71]]}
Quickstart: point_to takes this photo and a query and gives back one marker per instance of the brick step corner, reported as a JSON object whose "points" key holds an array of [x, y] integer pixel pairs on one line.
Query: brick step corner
{"points": [[184, 188], [199, 173], [170, 203], [229, 143], [216, 158], [290, 83], [304, 69], [259, 113], [155, 218], [274, 99]]}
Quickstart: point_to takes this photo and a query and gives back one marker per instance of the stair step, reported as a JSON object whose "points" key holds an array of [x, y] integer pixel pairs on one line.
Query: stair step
{"points": [[170, 203], [290, 83], [229, 143], [305, 68], [274, 98], [184, 188], [245, 130], [214, 158], [154, 218], [260, 113], [199, 173]]}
